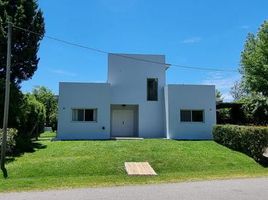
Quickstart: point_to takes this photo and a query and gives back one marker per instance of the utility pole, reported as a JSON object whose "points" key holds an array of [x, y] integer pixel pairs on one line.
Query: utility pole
{"points": [[6, 108]]}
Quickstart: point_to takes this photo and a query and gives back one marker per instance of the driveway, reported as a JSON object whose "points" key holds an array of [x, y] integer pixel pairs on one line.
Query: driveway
{"points": [[246, 189]]}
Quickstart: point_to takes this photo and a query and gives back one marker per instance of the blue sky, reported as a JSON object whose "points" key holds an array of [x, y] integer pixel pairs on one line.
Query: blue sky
{"points": [[205, 33]]}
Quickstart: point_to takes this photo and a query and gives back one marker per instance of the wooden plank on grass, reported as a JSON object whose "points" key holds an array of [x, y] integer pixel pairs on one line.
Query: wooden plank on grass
{"points": [[139, 169]]}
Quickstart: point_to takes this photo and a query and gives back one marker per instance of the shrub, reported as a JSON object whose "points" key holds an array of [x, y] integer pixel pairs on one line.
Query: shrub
{"points": [[224, 116], [11, 142], [251, 140]]}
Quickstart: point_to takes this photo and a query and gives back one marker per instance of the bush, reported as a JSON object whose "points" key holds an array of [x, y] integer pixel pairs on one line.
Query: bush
{"points": [[224, 116], [11, 142], [251, 140]]}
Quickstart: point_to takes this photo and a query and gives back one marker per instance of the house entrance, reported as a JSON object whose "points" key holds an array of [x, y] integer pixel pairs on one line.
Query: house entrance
{"points": [[124, 120]]}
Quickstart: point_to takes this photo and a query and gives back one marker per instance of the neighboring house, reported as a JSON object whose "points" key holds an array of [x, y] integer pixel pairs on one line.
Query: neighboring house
{"points": [[136, 102]]}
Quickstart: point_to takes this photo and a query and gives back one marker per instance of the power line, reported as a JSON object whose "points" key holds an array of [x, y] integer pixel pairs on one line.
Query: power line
{"points": [[125, 56]]}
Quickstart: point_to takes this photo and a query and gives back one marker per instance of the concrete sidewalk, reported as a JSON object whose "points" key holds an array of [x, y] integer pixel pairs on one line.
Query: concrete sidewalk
{"points": [[246, 189]]}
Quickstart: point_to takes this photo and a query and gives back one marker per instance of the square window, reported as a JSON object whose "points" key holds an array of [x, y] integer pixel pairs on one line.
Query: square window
{"points": [[197, 116], [78, 115], [90, 115], [185, 115]]}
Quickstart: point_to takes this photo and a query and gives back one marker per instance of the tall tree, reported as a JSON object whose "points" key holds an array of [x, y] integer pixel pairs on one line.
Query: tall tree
{"points": [[238, 91], [48, 99], [254, 61], [25, 45], [24, 48], [34, 115], [219, 97]]}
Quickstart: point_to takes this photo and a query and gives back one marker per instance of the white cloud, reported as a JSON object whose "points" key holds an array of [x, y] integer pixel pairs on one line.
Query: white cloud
{"points": [[223, 82], [62, 72], [191, 40]]}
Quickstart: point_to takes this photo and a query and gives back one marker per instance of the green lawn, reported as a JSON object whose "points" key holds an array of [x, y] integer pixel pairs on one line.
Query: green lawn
{"points": [[101, 163]]}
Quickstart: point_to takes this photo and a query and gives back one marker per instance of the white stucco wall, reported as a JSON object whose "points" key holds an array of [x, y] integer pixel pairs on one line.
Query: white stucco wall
{"points": [[192, 97], [127, 85], [128, 79], [84, 95]]}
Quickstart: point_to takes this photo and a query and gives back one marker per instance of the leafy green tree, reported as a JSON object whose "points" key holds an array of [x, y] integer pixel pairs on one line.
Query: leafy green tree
{"points": [[34, 116], [48, 99], [256, 109], [24, 48], [238, 91], [219, 97], [25, 14], [254, 61], [16, 100]]}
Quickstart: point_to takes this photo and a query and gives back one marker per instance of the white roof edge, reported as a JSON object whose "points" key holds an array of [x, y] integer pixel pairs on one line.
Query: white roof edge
{"points": [[137, 54], [190, 85], [101, 83]]}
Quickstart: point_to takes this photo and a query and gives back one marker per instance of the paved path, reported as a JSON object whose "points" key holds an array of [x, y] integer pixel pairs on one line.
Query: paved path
{"points": [[246, 189]]}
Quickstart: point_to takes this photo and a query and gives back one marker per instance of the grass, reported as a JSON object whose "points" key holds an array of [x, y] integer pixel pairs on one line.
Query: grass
{"points": [[65, 164]]}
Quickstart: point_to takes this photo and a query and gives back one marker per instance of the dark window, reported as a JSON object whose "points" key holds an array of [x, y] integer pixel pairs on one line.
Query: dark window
{"points": [[185, 115], [84, 115], [89, 115], [152, 88], [197, 116], [80, 115], [192, 115]]}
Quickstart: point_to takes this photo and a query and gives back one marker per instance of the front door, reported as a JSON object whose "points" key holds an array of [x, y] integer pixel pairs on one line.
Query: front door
{"points": [[122, 123]]}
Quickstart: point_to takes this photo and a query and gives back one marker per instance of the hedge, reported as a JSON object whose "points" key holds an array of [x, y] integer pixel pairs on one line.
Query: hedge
{"points": [[11, 142], [251, 140]]}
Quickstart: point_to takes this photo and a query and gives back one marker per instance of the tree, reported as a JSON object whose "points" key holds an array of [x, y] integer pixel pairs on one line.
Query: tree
{"points": [[238, 91], [16, 100], [254, 61], [219, 97], [25, 14], [24, 48], [34, 115], [47, 98], [256, 109]]}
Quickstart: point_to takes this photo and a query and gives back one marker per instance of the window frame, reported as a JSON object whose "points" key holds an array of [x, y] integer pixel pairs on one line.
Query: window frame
{"points": [[184, 110], [191, 111], [95, 115], [147, 89]]}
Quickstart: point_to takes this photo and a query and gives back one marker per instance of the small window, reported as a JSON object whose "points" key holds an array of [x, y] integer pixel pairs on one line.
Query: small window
{"points": [[89, 115], [197, 116], [192, 115], [186, 115], [152, 88]]}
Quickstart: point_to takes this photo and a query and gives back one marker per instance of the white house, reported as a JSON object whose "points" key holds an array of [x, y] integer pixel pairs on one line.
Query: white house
{"points": [[135, 102]]}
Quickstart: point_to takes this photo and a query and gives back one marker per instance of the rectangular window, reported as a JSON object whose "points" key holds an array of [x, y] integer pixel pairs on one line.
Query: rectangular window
{"points": [[192, 115], [186, 116], [197, 116], [89, 115], [152, 89]]}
